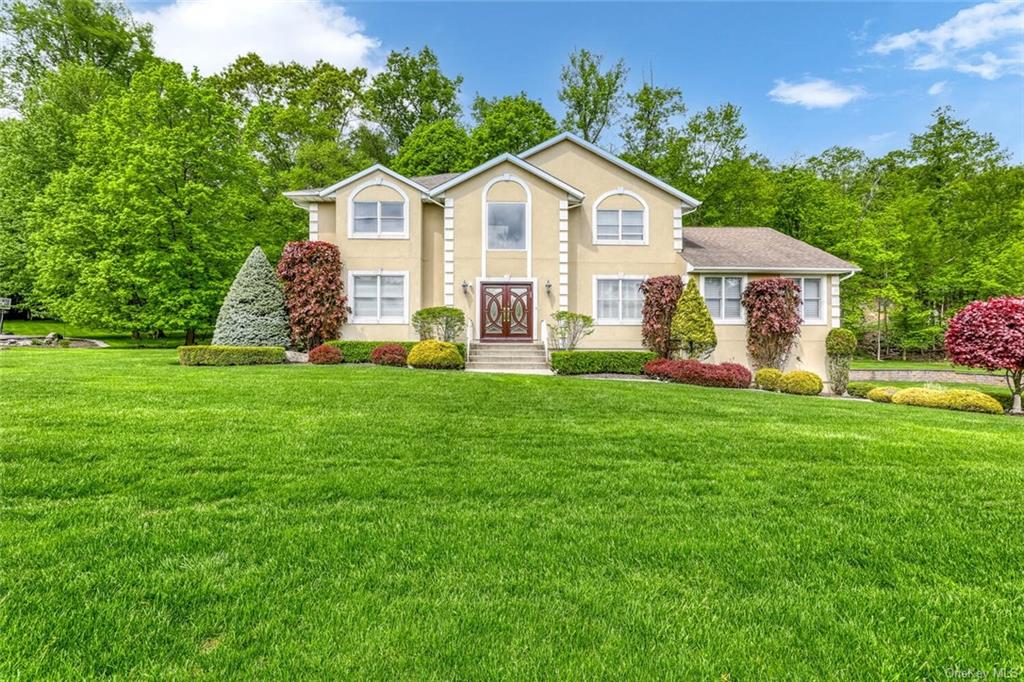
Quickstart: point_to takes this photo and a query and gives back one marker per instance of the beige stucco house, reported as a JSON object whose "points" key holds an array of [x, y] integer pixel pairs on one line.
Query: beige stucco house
{"points": [[562, 226]]}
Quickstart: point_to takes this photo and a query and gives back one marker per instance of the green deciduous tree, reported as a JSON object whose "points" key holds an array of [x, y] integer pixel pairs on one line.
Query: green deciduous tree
{"points": [[411, 90], [508, 124], [648, 130], [43, 35], [592, 97], [439, 147], [692, 327], [144, 230]]}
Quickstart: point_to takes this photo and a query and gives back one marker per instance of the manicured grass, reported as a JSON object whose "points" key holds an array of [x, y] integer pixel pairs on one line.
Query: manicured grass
{"points": [[112, 338], [286, 522]]}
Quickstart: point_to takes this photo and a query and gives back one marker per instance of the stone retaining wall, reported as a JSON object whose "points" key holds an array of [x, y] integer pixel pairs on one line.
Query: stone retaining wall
{"points": [[937, 376]]}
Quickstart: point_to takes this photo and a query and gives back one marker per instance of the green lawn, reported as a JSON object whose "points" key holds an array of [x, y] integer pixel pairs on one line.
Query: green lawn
{"points": [[112, 338], [327, 522]]}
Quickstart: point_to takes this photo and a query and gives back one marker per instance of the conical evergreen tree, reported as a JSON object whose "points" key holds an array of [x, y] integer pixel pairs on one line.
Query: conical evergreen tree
{"points": [[692, 326], [253, 313]]}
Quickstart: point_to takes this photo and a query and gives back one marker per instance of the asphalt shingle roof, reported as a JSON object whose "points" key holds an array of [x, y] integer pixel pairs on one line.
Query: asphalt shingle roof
{"points": [[432, 181], [754, 248]]}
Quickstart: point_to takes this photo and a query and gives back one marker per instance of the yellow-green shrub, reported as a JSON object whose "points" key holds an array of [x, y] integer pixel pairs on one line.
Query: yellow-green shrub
{"points": [[801, 382], [230, 355], [882, 394], [921, 397], [431, 354], [767, 378], [966, 400]]}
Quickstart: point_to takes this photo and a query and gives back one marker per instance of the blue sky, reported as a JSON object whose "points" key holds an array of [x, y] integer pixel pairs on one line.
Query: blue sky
{"points": [[807, 75]]}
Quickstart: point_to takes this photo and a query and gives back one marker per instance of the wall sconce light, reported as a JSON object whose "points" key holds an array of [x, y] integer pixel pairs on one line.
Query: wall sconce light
{"points": [[547, 286], [465, 287]]}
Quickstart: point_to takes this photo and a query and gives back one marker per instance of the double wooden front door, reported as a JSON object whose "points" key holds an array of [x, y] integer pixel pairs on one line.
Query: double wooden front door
{"points": [[506, 312]]}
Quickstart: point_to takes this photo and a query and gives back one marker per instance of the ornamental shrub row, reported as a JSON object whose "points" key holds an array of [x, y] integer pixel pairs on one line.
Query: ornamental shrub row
{"points": [[600, 361], [726, 375], [230, 355], [362, 351], [861, 389], [960, 399]]}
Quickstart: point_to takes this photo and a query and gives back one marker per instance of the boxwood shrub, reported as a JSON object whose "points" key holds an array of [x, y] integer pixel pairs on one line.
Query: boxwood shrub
{"points": [[960, 399], [230, 355], [860, 389], [432, 354], [362, 351], [801, 382], [767, 378], [600, 361], [882, 394]]}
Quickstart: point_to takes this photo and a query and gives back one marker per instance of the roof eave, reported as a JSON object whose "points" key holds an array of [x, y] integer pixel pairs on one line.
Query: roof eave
{"points": [[608, 156], [514, 160], [363, 173], [766, 269]]}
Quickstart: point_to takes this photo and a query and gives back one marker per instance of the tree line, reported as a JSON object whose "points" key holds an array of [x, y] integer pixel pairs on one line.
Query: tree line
{"points": [[131, 189]]}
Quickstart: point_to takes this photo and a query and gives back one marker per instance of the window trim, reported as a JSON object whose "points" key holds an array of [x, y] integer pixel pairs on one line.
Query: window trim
{"points": [[822, 319], [487, 225], [619, 191], [725, 321], [620, 322], [378, 182], [404, 274]]}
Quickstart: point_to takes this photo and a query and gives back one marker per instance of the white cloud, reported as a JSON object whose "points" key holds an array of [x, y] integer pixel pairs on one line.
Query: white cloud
{"points": [[937, 88], [210, 34], [953, 43], [815, 93]]}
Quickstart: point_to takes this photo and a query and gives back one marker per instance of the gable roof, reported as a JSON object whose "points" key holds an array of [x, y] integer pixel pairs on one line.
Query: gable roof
{"points": [[432, 181], [362, 174], [755, 249], [515, 161], [607, 156]]}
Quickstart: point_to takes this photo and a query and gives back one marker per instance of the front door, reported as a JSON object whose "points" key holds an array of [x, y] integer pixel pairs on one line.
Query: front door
{"points": [[506, 312]]}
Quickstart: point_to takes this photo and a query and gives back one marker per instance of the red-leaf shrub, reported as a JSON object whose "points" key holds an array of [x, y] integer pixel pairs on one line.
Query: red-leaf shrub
{"points": [[313, 291], [990, 334], [660, 296], [390, 354], [726, 375], [325, 355], [773, 320]]}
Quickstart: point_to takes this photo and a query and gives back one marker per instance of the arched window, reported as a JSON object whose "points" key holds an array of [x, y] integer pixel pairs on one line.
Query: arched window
{"points": [[378, 209], [507, 214], [621, 217]]}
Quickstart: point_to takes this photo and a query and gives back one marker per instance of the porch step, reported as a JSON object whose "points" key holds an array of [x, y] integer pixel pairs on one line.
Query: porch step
{"points": [[505, 364], [507, 357]]}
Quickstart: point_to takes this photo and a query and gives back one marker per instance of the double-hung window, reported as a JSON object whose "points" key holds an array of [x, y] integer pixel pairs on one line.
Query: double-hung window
{"points": [[378, 219], [379, 298], [506, 226], [723, 295], [813, 307], [620, 226], [618, 300]]}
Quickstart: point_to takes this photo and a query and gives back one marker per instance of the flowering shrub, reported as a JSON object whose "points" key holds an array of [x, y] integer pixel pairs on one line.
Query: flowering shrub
{"points": [[431, 354], [773, 320], [391, 354], [660, 296], [990, 334], [314, 294], [767, 378], [325, 355], [801, 382], [726, 375]]}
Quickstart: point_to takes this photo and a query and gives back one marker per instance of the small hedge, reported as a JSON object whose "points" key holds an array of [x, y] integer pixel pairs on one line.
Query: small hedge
{"points": [[767, 378], [431, 354], [362, 351], [600, 361], [325, 355], [801, 382], [860, 389], [726, 375], [960, 399], [882, 394], [230, 355], [390, 354]]}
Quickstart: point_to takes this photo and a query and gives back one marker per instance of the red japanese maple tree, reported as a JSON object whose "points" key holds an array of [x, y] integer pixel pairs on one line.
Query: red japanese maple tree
{"points": [[990, 335], [313, 292]]}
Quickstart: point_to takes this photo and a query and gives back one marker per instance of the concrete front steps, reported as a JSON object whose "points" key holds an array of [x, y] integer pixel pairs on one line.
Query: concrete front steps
{"points": [[513, 358]]}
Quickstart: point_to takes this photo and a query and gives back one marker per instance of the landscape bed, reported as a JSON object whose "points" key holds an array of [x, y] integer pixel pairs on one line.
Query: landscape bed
{"points": [[278, 522]]}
